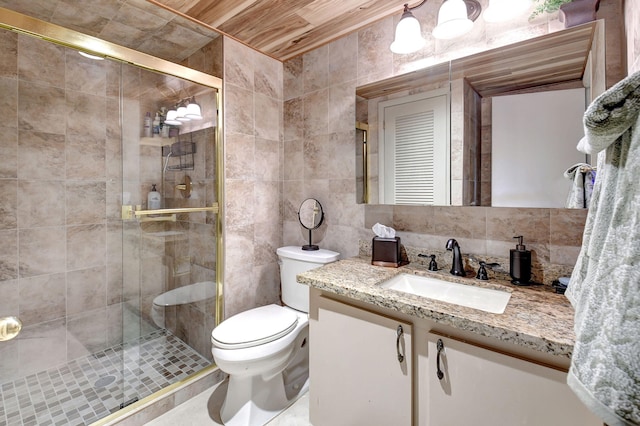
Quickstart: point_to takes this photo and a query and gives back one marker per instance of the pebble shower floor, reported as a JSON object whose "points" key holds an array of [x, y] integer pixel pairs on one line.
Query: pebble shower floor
{"points": [[88, 389]]}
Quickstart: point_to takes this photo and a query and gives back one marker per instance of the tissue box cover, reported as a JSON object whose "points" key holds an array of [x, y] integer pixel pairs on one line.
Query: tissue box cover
{"points": [[386, 252]]}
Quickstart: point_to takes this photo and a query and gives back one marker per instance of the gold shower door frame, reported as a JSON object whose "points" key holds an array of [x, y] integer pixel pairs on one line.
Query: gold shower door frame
{"points": [[23, 24]]}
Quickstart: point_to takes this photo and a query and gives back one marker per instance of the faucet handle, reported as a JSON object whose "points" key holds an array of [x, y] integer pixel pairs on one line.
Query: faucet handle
{"points": [[482, 272], [433, 266]]}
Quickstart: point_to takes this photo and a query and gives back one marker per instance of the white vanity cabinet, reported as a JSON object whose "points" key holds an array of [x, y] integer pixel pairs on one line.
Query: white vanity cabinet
{"points": [[360, 366], [481, 386]]}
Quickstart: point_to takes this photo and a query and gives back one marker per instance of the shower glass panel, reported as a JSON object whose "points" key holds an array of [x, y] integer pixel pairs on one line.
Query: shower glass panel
{"points": [[169, 258], [78, 269]]}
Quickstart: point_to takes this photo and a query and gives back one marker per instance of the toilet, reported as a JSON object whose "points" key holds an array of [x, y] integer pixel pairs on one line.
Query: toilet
{"points": [[265, 350]]}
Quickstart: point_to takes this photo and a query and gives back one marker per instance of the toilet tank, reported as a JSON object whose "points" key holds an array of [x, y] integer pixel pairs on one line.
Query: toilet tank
{"points": [[293, 261]]}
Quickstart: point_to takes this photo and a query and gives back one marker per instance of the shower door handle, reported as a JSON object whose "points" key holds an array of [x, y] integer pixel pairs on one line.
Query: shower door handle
{"points": [[129, 212], [213, 209]]}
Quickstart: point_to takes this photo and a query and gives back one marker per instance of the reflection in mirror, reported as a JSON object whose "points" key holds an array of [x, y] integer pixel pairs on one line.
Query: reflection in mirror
{"points": [[310, 216], [526, 128], [567, 59], [414, 149], [362, 171]]}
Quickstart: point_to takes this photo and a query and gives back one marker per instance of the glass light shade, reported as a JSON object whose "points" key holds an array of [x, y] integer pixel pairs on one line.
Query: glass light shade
{"points": [[504, 10], [408, 35], [172, 118], [452, 20], [193, 111], [182, 111]]}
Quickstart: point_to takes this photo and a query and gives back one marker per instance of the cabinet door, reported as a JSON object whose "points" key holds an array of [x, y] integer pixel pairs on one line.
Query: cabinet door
{"points": [[483, 387], [356, 377]]}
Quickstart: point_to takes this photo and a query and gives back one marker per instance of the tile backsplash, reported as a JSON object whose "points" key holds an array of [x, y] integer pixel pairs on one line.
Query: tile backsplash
{"points": [[553, 235], [542, 272]]}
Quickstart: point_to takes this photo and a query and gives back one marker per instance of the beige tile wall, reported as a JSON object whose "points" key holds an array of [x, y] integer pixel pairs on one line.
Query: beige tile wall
{"points": [[137, 24], [55, 189], [253, 175]]}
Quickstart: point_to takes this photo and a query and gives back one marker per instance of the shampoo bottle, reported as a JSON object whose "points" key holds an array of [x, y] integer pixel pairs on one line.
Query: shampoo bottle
{"points": [[520, 263], [147, 125], [153, 199], [156, 126]]}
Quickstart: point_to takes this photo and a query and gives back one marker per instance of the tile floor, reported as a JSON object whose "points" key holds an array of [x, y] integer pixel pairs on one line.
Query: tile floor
{"points": [[93, 387], [204, 410]]}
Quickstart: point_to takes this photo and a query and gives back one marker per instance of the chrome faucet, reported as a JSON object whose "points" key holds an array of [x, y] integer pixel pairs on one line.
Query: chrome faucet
{"points": [[457, 268]]}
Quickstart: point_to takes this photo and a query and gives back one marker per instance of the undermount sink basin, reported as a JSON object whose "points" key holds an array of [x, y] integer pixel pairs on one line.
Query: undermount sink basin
{"points": [[484, 299]]}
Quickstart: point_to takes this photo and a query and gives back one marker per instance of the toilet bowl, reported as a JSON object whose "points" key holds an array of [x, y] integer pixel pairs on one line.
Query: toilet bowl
{"points": [[265, 350], [191, 293]]}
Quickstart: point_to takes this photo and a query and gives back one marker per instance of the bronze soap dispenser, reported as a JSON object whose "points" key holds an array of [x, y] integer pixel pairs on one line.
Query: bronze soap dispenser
{"points": [[520, 264]]}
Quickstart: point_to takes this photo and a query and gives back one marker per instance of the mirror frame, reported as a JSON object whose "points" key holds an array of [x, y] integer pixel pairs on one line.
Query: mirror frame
{"points": [[316, 208]]}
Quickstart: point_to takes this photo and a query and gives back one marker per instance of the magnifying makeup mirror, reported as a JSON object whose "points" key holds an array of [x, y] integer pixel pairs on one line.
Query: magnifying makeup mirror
{"points": [[310, 216]]}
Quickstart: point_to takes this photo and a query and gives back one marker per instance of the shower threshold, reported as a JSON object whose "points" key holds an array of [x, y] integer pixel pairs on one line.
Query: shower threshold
{"points": [[90, 388]]}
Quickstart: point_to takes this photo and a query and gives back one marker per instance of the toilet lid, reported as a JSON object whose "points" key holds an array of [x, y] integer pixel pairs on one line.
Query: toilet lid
{"points": [[254, 327]]}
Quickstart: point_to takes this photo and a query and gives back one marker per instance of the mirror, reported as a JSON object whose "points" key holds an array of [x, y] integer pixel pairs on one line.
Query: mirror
{"points": [[473, 82], [310, 216]]}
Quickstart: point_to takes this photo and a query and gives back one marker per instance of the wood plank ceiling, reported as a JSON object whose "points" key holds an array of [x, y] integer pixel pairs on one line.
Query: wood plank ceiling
{"points": [[285, 28]]}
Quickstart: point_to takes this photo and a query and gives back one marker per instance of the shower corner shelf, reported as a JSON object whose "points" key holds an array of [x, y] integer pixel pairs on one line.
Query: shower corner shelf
{"points": [[184, 150]]}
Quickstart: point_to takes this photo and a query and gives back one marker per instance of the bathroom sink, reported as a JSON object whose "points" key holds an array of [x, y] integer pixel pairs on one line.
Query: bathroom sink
{"points": [[484, 299]]}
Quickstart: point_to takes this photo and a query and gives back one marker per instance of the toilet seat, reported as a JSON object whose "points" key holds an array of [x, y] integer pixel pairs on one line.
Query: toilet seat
{"points": [[254, 327]]}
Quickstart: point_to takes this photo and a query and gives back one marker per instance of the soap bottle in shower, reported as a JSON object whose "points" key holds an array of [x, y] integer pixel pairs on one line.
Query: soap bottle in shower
{"points": [[156, 126], [520, 263], [153, 199], [147, 125]]}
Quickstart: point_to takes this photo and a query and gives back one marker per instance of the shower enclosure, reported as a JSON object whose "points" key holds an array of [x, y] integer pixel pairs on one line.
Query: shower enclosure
{"points": [[83, 257]]}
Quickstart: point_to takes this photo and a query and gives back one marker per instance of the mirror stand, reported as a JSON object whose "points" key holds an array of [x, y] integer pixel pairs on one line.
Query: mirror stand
{"points": [[310, 246], [310, 216]]}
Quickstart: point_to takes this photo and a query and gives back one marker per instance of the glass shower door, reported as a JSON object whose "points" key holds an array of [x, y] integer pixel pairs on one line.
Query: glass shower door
{"points": [[168, 245]]}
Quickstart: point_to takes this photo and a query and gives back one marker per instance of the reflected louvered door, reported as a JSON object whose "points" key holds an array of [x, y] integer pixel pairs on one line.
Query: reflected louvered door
{"points": [[414, 158], [415, 169]]}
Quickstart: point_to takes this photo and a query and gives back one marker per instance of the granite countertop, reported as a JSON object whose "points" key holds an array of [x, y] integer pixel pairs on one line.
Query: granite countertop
{"points": [[535, 317]]}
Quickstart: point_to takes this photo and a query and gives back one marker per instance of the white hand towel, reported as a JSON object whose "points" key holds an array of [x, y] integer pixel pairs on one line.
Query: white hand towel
{"points": [[581, 186]]}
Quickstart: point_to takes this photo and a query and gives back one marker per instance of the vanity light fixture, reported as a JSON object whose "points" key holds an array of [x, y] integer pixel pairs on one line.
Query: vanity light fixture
{"points": [[503, 10], [172, 118], [194, 112], [408, 34], [455, 18], [182, 114], [185, 110]]}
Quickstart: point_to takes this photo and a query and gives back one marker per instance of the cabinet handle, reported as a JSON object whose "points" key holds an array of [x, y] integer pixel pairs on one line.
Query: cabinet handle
{"points": [[440, 347], [399, 332]]}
